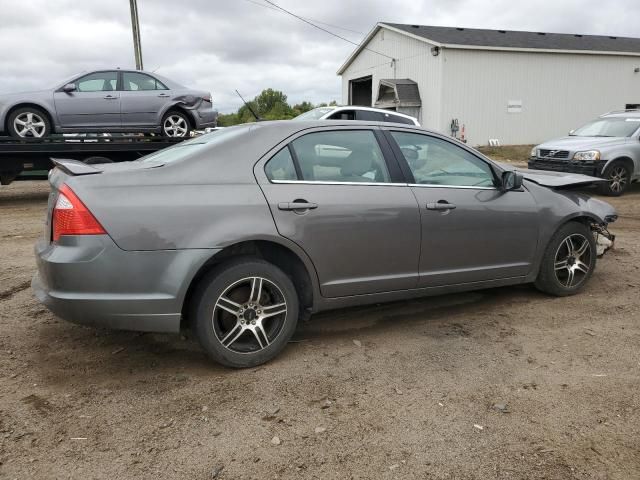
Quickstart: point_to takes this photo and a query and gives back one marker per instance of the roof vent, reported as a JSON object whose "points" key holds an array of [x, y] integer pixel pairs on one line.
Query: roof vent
{"points": [[461, 29], [613, 38], [502, 31], [579, 36], [541, 33]]}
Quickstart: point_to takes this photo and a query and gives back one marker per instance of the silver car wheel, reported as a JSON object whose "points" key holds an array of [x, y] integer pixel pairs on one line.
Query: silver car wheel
{"points": [[249, 315], [618, 179], [29, 124], [175, 126], [573, 260]]}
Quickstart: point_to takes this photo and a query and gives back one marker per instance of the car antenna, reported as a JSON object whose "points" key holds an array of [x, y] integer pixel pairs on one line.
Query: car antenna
{"points": [[258, 118]]}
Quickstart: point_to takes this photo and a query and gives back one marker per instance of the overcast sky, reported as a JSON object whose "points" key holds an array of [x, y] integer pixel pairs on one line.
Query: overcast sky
{"points": [[221, 45]]}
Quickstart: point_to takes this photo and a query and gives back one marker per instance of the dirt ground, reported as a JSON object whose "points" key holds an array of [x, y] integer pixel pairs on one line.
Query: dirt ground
{"points": [[404, 390]]}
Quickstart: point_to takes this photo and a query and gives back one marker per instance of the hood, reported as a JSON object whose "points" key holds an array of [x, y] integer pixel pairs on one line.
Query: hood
{"points": [[555, 180], [576, 143]]}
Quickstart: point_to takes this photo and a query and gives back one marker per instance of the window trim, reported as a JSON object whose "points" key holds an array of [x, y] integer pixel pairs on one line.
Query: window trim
{"points": [[411, 181], [393, 168]]}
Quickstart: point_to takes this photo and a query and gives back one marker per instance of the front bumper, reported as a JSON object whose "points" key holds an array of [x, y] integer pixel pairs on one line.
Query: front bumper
{"points": [[91, 281], [591, 168]]}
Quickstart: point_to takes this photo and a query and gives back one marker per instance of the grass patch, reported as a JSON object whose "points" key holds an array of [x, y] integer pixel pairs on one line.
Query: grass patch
{"points": [[507, 153]]}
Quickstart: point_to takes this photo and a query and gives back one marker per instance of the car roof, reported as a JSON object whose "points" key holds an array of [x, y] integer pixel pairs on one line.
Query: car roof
{"points": [[622, 114]]}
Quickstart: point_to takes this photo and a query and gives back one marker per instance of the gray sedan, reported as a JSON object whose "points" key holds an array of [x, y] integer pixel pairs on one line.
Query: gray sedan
{"points": [[108, 101], [241, 233]]}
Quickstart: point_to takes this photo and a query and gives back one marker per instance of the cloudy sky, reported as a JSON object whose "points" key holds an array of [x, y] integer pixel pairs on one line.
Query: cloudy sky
{"points": [[221, 45]]}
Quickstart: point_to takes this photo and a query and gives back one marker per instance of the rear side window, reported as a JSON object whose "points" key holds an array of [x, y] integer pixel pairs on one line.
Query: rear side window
{"points": [[281, 166], [341, 156], [343, 115], [133, 81], [370, 116], [390, 117]]}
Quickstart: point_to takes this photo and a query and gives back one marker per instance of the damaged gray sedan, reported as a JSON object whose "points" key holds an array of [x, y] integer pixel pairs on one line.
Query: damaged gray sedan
{"points": [[108, 101], [241, 233]]}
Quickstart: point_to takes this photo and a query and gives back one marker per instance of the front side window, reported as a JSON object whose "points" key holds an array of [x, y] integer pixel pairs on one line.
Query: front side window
{"points": [[281, 166], [341, 156], [437, 162], [133, 81], [98, 82]]}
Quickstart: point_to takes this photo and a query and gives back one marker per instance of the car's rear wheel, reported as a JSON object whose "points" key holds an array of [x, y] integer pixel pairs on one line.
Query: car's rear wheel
{"points": [[618, 176], [175, 124], [244, 312], [29, 122], [568, 261]]}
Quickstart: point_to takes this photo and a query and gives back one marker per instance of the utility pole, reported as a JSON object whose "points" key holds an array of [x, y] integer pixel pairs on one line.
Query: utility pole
{"points": [[135, 26]]}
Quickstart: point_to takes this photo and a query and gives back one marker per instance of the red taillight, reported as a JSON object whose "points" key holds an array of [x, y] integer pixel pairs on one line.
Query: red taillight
{"points": [[72, 217]]}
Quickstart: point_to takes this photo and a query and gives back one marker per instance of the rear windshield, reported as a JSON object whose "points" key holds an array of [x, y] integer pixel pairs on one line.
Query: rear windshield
{"points": [[189, 147], [609, 127]]}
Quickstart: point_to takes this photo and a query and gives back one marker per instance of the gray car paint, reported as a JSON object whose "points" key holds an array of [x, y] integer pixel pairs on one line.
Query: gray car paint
{"points": [[363, 244], [115, 111]]}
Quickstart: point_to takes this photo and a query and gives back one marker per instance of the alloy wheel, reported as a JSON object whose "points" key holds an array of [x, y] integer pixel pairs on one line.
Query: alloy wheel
{"points": [[618, 179], [175, 126], [29, 124], [249, 315], [573, 260]]}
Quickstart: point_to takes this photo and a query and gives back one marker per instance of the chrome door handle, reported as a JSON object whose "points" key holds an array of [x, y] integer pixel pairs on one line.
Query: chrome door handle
{"points": [[109, 97], [440, 205], [297, 206], [164, 95]]}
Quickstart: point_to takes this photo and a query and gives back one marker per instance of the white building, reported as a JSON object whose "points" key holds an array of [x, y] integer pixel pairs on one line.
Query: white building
{"points": [[517, 87]]}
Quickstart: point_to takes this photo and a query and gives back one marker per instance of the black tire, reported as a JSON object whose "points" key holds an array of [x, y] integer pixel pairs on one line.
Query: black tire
{"points": [[39, 128], [97, 160], [256, 343], [618, 176], [554, 277], [180, 128]]}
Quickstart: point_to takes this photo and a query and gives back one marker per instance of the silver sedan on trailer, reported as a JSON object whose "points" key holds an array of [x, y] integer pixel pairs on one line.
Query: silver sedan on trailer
{"points": [[108, 101], [242, 232]]}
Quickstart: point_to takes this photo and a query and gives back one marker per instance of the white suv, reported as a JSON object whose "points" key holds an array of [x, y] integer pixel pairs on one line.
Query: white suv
{"points": [[352, 112]]}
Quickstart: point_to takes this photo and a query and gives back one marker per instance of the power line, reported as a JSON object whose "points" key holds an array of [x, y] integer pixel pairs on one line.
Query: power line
{"points": [[325, 30], [307, 18]]}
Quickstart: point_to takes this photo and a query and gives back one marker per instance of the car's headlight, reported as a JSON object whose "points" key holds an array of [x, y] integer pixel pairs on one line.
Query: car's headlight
{"points": [[533, 152], [588, 155]]}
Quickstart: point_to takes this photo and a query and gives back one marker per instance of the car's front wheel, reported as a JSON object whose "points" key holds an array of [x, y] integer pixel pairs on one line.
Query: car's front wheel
{"points": [[569, 260], [29, 122], [618, 177], [175, 124], [245, 312]]}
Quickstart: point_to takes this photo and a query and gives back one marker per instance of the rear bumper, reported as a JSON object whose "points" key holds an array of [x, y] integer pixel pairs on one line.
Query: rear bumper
{"points": [[89, 280], [206, 118], [591, 168]]}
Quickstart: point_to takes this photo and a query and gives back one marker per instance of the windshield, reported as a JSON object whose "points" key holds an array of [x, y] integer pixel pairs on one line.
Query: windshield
{"points": [[609, 127], [315, 114], [188, 147]]}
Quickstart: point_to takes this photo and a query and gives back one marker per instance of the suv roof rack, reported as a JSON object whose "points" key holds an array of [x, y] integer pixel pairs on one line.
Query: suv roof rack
{"points": [[621, 111]]}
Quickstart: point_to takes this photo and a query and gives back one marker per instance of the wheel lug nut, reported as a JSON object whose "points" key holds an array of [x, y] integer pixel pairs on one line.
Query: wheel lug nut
{"points": [[253, 322]]}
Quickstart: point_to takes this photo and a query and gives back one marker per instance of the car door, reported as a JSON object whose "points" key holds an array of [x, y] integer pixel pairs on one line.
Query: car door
{"points": [[142, 97], [471, 230], [95, 102], [335, 194]]}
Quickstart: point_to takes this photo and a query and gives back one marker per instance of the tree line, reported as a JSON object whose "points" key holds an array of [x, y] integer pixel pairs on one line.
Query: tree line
{"points": [[270, 104]]}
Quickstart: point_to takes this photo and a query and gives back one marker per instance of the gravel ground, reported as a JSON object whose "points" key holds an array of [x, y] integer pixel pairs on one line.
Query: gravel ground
{"points": [[501, 383]]}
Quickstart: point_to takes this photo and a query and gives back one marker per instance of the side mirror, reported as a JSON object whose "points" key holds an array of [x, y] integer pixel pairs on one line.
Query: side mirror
{"points": [[571, 132], [511, 180], [69, 87]]}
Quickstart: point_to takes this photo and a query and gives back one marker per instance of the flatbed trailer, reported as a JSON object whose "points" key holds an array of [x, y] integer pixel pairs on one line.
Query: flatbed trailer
{"points": [[22, 159]]}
